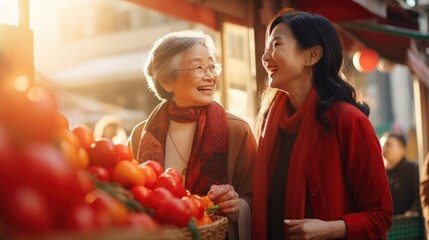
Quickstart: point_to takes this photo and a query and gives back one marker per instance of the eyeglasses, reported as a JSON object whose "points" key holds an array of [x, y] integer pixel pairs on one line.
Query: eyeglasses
{"points": [[200, 70]]}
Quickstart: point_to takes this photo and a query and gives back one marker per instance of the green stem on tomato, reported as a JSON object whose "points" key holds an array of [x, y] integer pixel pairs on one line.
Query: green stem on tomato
{"points": [[213, 208]]}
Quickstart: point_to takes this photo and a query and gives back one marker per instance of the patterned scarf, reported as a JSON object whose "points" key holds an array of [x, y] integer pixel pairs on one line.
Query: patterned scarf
{"points": [[208, 163]]}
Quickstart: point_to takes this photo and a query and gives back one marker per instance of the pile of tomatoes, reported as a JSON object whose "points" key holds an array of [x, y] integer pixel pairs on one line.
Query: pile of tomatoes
{"points": [[55, 178]]}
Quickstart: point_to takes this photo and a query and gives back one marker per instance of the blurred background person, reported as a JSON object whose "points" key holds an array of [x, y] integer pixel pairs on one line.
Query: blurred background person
{"points": [[403, 175], [110, 127]]}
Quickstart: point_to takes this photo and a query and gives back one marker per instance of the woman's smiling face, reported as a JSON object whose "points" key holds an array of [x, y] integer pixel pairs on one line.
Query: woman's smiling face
{"points": [[188, 89], [283, 60]]}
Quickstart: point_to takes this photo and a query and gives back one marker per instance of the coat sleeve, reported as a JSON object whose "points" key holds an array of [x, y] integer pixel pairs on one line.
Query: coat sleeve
{"points": [[134, 139], [365, 176], [242, 156], [243, 150]]}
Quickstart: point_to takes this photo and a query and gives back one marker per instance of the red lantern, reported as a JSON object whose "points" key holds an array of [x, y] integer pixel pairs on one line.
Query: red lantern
{"points": [[365, 60]]}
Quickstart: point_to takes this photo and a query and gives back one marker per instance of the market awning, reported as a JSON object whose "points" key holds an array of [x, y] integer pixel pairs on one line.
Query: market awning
{"points": [[203, 12], [383, 25], [388, 31]]}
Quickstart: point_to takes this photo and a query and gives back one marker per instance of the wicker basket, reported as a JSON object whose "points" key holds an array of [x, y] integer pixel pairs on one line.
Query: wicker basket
{"points": [[406, 228], [213, 231]]}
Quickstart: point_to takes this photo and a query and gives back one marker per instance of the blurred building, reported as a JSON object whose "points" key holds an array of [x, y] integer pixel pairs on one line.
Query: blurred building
{"points": [[92, 53]]}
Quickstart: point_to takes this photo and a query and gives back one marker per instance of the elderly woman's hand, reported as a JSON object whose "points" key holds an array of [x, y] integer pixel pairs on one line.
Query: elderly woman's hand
{"points": [[227, 199]]}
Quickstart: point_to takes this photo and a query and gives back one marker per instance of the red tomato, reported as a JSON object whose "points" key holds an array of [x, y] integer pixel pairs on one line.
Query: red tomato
{"points": [[150, 175], [142, 221], [25, 209], [29, 115], [124, 152], [82, 217], [43, 167], [157, 196], [141, 194], [103, 153], [159, 169], [84, 179], [127, 174], [173, 211], [101, 173], [204, 220], [196, 205], [85, 135], [172, 184], [171, 172], [102, 201]]}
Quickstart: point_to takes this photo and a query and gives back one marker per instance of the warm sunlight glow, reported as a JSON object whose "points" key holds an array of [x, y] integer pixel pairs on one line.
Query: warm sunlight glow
{"points": [[9, 12], [21, 83], [35, 94]]}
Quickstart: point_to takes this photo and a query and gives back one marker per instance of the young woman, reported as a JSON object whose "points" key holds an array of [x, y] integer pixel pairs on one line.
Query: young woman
{"points": [[319, 171]]}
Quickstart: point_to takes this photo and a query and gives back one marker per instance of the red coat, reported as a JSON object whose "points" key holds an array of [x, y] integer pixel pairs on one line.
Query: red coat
{"points": [[344, 172]]}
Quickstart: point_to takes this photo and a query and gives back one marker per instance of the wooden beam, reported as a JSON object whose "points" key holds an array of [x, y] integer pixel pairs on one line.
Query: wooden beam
{"points": [[421, 106], [24, 14], [234, 8], [183, 10]]}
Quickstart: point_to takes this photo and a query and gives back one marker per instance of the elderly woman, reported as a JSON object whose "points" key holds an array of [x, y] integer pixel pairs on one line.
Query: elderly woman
{"points": [[213, 149]]}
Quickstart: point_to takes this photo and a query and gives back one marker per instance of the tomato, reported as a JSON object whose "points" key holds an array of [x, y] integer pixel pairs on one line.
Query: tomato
{"points": [[135, 162], [83, 159], [159, 169], [69, 152], [102, 201], [101, 173], [173, 211], [85, 135], [124, 152], [84, 179], [25, 209], [157, 196], [171, 172], [207, 201], [43, 166], [195, 205], [103, 153], [67, 136], [150, 175], [127, 174], [141, 194], [29, 115], [61, 122], [142, 221], [172, 184], [204, 220], [79, 217]]}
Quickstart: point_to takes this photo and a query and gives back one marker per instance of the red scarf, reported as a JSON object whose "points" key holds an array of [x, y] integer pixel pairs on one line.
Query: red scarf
{"points": [[208, 163], [303, 123]]}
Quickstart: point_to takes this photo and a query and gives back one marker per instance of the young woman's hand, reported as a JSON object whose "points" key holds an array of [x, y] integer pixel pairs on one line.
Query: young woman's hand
{"points": [[227, 199], [316, 229]]}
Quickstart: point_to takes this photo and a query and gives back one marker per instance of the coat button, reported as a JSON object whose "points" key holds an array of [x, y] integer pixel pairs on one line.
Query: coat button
{"points": [[314, 192]]}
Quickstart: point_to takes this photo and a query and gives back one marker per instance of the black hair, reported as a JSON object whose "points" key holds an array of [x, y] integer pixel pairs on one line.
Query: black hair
{"points": [[400, 137], [315, 30]]}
